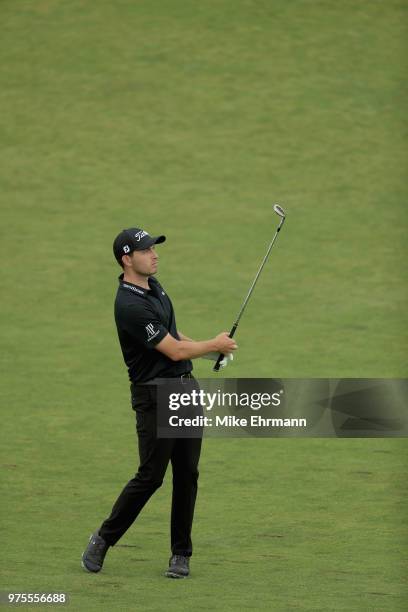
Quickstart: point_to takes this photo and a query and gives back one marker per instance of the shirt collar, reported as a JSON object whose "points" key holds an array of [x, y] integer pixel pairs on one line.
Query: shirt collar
{"points": [[131, 287]]}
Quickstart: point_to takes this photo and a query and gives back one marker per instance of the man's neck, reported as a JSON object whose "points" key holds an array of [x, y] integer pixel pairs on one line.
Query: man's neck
{"points": [[136, 279]]}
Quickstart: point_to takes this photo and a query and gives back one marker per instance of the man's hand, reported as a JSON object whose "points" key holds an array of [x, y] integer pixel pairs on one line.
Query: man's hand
{"points": [[225, 344], [214, 356]]}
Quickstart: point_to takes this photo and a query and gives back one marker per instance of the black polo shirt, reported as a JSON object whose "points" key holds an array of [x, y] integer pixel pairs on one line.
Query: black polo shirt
{"points": [[143, 318]]}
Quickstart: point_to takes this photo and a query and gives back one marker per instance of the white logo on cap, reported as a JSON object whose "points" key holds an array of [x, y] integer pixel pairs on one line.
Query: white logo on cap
{"points": [[140, 235], [126, 249]]}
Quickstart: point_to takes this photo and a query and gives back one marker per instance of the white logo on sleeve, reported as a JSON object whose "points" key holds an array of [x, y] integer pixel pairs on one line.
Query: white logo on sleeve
{"points": [[151, 332]]}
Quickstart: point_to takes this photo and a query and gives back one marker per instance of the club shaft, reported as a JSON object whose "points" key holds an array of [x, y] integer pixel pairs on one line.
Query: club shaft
{"points": [[245, 302], [252, 287]]}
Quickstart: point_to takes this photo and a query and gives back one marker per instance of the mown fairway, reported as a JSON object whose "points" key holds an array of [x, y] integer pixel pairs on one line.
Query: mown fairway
{"points": [[192, 119]]}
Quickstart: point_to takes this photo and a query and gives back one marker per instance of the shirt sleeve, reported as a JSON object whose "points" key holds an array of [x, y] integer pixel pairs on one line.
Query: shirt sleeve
{"points": [[142, 324]]}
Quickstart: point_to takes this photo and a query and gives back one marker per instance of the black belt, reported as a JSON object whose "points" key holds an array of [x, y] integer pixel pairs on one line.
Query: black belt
{"points": [[162, 380]]}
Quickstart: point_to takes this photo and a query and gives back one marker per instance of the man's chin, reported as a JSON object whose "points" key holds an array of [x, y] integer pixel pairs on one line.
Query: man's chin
{"points": [[147, 274]]}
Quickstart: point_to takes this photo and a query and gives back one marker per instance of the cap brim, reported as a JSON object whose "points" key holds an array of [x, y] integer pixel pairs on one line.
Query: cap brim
{"points": [[146, 244], [153, 240], [159, 239]]}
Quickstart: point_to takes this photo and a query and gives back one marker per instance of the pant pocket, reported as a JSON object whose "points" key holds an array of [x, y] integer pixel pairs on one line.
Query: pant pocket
{"points": [[140, 397]]}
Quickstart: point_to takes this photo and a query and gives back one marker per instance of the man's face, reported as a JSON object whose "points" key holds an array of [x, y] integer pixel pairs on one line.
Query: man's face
{"points": [[142, 262]]}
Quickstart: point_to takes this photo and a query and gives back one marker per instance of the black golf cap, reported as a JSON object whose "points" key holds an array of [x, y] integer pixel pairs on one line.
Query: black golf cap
{"points": [[133, 239]]}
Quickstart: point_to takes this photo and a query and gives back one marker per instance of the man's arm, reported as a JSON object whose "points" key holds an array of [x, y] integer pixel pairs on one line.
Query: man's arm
{"points": [[183, 337], [177, 350], [213, 355]]}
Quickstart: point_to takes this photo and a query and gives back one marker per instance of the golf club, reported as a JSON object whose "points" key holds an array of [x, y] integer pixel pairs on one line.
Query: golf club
{"points": [[279, 211]]}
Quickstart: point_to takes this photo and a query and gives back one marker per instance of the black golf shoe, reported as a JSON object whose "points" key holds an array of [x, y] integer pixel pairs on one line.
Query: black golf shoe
{"points": [[94, 554], [178, 567]]}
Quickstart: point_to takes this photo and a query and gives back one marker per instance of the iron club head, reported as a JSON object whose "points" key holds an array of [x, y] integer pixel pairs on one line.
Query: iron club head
{"points": [[279, 211]]}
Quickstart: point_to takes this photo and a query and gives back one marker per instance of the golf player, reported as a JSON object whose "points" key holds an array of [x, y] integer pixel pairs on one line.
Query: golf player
{"points": [[153, 349]]}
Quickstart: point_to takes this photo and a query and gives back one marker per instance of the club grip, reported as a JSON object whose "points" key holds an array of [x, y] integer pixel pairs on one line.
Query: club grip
{"points": [[217, 366]]}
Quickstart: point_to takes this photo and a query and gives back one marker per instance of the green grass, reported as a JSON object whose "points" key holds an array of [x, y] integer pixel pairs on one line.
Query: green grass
{"points": [[192, 119], [282, 524]]}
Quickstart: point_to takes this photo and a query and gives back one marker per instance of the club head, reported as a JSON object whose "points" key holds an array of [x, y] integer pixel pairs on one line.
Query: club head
{"points": [[279, 211]]}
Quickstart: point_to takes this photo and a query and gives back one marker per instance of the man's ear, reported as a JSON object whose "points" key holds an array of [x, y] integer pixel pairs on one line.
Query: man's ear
{"points": [[126, 260]]}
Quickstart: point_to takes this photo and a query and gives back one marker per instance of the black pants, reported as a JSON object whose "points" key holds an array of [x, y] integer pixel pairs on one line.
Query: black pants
{"points": [[155, 454]]}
